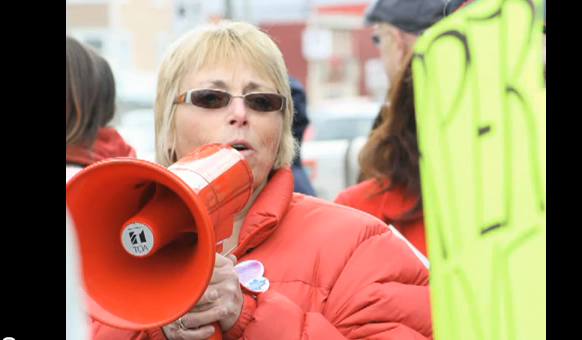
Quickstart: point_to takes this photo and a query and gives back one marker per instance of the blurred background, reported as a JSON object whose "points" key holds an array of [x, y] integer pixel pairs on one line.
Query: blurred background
{"points": [[325, 44]]}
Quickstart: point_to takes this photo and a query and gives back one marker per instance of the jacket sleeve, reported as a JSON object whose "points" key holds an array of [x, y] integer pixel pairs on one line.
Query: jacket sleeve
{"points": [[389, 300], [343, 198], [100, 331]]}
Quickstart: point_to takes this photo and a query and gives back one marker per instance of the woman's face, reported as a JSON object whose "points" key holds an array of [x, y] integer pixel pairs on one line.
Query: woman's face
{"points": [[389, 51], [260, 132]]}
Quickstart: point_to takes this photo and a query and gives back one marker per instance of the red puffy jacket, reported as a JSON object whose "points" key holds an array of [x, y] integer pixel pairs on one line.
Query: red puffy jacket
{"points": [[388, 205], [109, 144], [335, 273]]}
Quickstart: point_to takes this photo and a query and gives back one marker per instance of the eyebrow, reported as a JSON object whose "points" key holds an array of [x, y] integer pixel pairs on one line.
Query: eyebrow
{"points": [[217, 84], [251, 86]]}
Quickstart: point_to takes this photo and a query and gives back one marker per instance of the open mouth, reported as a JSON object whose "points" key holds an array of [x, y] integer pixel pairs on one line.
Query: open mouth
{"points": [[240, 147]]}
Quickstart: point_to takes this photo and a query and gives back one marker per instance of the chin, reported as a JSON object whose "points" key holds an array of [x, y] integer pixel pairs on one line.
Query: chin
{"points": [[259, 177]]}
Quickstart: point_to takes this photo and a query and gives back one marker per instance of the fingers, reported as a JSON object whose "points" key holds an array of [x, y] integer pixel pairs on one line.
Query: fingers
{"points": [[224, 281], [219, 284], [197, 334], [202, 308], [199, 319], [226, 273], [209, 296], [173, 331], [222, 261]]}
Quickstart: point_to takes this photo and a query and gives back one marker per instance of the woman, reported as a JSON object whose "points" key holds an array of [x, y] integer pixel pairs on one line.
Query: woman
{"points": [[90, 107], [334, 272], [390, 159]]}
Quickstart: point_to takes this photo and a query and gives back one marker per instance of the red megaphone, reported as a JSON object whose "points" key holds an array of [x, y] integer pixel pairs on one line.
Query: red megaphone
{"points": [[148, 234]]}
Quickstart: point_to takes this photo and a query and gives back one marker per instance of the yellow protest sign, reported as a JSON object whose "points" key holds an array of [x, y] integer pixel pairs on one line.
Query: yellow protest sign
{"points": [[481, 119]]}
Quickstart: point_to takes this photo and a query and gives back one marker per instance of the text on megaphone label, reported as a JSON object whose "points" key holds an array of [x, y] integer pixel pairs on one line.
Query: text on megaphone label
{"points": [[138, 239]]}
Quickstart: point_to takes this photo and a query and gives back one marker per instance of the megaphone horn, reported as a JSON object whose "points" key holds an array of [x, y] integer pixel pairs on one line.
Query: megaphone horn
{"points": [[148, 234]]}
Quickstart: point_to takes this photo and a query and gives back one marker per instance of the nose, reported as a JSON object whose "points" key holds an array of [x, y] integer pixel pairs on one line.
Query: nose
{"points": [[238, 113]]}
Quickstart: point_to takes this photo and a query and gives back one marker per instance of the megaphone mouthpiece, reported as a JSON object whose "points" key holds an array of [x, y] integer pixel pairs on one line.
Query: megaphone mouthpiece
{"points": [[158, 223]]}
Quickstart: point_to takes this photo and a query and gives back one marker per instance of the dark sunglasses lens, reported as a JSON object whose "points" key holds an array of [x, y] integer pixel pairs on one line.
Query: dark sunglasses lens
{"points": [[264, 102], [376, 39], [210, 99]]}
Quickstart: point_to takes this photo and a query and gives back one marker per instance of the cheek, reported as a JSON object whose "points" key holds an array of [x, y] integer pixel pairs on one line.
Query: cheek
{"points": [[191, 132], [270, 140], [387, 57]]}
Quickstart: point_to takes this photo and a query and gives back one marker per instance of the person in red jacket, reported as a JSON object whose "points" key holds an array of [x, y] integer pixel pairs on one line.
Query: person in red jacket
{"points": [[90, 107], [390, 158], [327, 271]]}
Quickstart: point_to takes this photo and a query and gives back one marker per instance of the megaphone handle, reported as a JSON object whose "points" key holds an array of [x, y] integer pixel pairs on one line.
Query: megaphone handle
{"points": [[217, 335]]}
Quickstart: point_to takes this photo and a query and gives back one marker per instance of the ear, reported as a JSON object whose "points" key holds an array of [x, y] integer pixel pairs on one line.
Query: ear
{"points": [[401, 44], [406, 42]]}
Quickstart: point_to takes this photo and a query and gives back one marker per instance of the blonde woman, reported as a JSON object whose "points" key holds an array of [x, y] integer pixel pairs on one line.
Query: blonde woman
{"points": [[330, 272]]}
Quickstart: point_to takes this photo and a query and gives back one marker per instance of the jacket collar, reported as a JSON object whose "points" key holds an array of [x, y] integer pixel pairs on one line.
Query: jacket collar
{"points": [[267, 211], [395, 202], [109, 144]]}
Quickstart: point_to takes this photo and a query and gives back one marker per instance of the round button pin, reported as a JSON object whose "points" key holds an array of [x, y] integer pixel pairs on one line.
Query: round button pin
{"points": [[249, 270], [258, 285]]}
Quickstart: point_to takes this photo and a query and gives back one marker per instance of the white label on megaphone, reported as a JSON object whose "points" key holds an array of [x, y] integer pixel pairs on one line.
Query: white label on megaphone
{"points": [[138, 239]]}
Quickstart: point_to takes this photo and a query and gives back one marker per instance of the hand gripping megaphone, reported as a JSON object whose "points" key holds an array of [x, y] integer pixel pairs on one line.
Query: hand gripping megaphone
{"points": [[148, 234]]}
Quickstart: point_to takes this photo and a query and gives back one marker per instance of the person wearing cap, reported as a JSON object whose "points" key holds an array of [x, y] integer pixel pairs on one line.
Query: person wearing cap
{"points": [[398, 24], [391, 160], [389, 182]]}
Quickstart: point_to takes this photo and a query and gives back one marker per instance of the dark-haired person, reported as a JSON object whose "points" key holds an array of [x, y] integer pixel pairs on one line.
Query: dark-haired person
{"points": [[300, 122], [390, 160], [389, 180], [397, 26], [90, 107], [389, 186]]}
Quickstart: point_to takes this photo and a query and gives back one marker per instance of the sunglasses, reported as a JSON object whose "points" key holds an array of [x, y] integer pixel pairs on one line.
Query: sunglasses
{"points": [[217, 99], [376, 39]]}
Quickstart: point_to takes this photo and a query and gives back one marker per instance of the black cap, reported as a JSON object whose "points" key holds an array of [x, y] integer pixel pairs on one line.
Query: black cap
{"points": [[453, 5], [412, 16]]}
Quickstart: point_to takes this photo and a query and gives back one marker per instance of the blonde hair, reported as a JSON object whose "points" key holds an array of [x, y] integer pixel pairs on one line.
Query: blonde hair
{"points": [[216, 44]]}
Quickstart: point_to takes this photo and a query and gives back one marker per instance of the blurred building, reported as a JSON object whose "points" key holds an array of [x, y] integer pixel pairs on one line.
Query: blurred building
{"points": [[341, 57], [324, 42], [131, 34]]}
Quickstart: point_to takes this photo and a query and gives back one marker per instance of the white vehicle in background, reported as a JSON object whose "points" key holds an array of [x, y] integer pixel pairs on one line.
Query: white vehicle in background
{"points": [[338, 130]]}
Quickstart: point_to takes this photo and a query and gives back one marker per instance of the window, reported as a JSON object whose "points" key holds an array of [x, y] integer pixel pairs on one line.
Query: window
{"points": [[96, 43], [98, 39]]}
